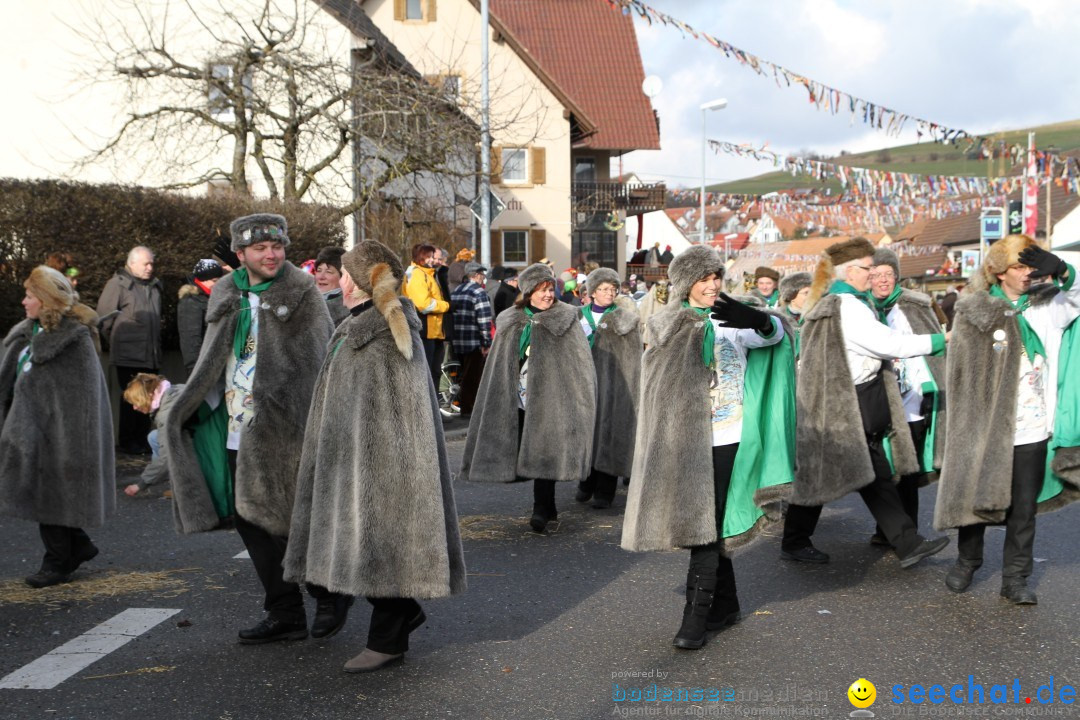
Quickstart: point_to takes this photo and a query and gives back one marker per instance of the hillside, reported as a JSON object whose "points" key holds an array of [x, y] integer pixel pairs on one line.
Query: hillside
{"points": [[924, 158]]}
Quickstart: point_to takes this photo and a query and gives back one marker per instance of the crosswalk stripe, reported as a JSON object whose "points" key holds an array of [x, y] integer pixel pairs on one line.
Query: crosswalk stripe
{"points": [[55, 667]]}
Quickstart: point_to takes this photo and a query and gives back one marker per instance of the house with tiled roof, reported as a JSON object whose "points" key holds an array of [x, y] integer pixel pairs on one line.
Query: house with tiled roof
{"points": [[566, 101]]}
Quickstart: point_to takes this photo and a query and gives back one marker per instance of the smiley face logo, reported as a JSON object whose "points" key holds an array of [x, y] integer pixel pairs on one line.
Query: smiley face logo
{"points": [[862, 693]]}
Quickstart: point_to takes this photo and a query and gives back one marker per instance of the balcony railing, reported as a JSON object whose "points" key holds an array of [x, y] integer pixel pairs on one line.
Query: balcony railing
{"points": [[633, 198]]}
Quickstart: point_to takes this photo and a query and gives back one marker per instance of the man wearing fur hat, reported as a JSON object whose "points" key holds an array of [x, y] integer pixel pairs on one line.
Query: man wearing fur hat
{"points": [[765, 282], [922, 379], [1014, 401], [793, 291], [527, 387], [849, 406], [374, 513], [267, 329], [714, 452], [611, 325]]}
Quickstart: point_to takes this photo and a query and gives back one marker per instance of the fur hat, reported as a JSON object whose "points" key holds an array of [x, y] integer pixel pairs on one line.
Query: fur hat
{"points": [[792, 284], [58, 299], [766, 272], [533, 275], [378, 272], [690, 266], [853, 249], [885, 256], [330, 255], [600, 276], [472, 268], [1000, 257], [260, 227]]}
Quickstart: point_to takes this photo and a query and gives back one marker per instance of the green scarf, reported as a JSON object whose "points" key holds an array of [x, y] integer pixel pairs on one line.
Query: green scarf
{"points": [[587, 313], [243, 320], [526, 334], [773, 299], [1032, 344], [708, 345], [882, 307], [26, 353], [842, 288]]}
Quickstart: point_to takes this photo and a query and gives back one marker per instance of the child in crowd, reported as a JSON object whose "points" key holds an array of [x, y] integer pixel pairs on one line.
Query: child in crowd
{"points": [[152, 394]]}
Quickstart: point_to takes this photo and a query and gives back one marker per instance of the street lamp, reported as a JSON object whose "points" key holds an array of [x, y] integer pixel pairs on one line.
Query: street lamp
{"points": [[719, 104]]}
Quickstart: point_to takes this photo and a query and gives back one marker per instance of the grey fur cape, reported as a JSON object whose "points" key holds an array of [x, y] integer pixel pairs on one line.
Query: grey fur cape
{"points": [[374, 513], [293, 331], [560, 409], [56, 447], [919, 311], [671, 502], [976, 480], [616, 355], [832, 458]]}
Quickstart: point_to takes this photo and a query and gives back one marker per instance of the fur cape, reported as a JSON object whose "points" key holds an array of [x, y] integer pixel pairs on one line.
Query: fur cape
{"points": [[671, 502], [832, 458], [294, 328], [560, 409], [374, 513], [56, 446], [976, 479], [919, 311], [616, 355]]}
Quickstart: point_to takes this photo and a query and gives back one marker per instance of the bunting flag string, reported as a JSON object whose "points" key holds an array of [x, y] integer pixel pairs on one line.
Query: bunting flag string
{"points": [[888, 183], [832, 100]]}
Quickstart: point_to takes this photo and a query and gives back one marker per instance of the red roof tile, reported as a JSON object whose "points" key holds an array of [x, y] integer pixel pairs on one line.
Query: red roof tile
{"points": [[591, 52]]}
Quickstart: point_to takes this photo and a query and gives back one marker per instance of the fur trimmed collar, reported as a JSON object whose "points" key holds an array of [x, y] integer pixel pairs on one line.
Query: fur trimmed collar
{"points": [[667, 323], [283, 296], [827, 306], [625, 318], [911, 297], [367, 326], [987, 312], [47, 344], [557, 319]]}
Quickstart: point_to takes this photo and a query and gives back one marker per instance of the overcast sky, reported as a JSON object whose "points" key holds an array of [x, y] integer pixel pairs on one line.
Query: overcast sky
{"points": [[978, 65]]}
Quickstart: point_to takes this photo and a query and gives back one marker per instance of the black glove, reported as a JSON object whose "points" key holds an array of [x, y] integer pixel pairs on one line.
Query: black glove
{"points": [[223, 251], [1043, 263], [733, 314]]}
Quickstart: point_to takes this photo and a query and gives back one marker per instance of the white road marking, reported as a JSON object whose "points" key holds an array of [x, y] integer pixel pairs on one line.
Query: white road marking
{"points": [[51, 669], [242, 556]]}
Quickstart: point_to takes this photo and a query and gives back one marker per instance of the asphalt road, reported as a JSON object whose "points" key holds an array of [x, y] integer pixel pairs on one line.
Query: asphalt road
{"points": [[548, 628]]}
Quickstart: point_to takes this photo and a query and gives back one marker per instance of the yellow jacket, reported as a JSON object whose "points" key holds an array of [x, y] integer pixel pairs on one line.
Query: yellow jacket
{"points": [[423, 289]]}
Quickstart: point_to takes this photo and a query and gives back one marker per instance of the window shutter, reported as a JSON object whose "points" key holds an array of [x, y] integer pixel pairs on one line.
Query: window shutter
{"points": [[538, 165], [537, 245], [496, 164], [496, 249], [399, 10], [430, 15]]}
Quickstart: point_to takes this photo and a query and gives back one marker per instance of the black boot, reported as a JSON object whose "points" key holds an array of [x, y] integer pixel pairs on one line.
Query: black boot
{"points": [[724, 612], [1016, 591], [699, 597], [330, 615]]}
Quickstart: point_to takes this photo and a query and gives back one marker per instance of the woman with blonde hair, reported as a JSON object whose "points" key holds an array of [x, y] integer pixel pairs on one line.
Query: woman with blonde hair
{"points": [[56, 446]]}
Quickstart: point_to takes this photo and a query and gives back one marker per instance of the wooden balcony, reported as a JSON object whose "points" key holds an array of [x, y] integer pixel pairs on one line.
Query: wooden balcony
{"points": [[632, 198]]}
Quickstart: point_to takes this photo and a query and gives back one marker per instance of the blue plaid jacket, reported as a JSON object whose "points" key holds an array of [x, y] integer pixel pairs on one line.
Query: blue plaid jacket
{"points": [[472, 318]]}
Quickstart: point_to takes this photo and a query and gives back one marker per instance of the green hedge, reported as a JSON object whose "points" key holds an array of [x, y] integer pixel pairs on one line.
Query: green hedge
{"points": [[99, 224]]}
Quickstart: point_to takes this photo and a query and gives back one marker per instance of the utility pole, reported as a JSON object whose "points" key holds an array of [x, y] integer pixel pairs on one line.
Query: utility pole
{"points": [[485, 140]]}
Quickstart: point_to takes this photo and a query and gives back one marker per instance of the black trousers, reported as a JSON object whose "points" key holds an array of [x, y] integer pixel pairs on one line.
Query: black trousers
{"points": [[1029, 466], [908, 487], [282, 599], [543, 490], [388, 631], [134, 425], [882, 499], [708, 559], [600, 484], [62, 545], [472, 370], [433, 351]]}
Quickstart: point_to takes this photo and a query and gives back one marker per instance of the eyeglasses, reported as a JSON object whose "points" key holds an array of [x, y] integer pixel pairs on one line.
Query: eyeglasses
{"points": [[882, 276]]}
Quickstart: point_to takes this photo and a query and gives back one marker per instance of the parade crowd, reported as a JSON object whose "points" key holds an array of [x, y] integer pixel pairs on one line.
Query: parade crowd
{"points": [[309, 420]]}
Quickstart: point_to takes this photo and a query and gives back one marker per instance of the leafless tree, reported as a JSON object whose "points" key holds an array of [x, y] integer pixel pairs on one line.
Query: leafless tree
{"points": [[214, 87]]}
